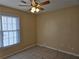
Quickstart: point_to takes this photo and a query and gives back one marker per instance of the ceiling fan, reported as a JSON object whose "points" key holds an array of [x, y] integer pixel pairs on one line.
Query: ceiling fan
{"points": [[35, 5]]}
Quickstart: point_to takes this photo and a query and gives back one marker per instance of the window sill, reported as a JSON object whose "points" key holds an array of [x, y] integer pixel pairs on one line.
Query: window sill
{"points": [[10, 46]]}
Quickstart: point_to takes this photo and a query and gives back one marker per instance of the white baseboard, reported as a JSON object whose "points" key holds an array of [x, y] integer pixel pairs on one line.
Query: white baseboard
{"points": [[70, 53], [30, 46]]}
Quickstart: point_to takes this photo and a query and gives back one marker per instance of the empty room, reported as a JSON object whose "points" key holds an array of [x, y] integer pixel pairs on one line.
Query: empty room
{"points": [[39, 29]]}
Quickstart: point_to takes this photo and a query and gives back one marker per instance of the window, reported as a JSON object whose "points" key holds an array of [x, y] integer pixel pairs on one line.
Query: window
{"points": [[9, 30]]}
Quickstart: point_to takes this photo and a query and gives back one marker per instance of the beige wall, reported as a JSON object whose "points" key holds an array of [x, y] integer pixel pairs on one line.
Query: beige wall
{"points": [[28, 30], [59, 29]]}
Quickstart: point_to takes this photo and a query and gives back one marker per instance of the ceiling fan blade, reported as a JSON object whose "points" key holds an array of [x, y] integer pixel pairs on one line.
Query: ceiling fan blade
{"points": [[41, 8], [23, 1], [33, 2], [24, 5], [44, 3]]}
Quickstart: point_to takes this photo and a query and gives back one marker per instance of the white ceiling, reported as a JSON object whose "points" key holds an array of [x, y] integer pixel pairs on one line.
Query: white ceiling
{"points": [[54, 4]]}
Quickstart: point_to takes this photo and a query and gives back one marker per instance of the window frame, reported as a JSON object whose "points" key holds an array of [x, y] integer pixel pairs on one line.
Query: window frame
{"points": [[17, 30]]}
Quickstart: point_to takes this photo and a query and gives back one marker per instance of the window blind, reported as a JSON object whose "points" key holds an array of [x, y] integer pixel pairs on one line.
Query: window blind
{"points": [[9, 30]]}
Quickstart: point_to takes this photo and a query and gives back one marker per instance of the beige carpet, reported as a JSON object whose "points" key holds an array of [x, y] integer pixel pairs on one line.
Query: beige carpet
{"points": [[41, 53]]}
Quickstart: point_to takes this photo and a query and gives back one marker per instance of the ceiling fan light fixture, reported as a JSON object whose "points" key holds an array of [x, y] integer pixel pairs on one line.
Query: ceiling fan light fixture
{"points": [[33, 9], [37, 9]]}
